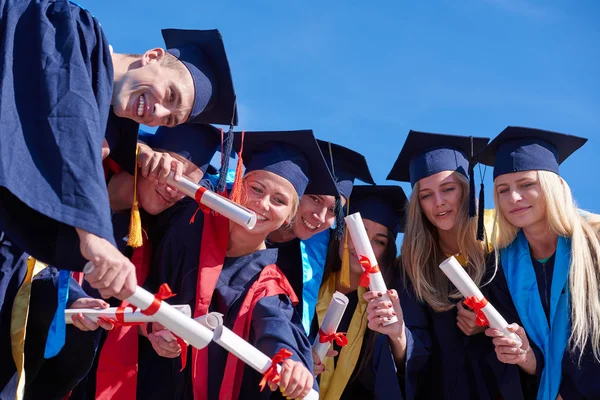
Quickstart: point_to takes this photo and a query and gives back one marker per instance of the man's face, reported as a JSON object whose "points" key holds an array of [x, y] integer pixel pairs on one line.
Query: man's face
{"points": [[155, 93]]}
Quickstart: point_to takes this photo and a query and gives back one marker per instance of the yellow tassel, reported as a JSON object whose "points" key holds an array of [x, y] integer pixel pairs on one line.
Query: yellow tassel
{"points": [[135, 223], [345, 271]]}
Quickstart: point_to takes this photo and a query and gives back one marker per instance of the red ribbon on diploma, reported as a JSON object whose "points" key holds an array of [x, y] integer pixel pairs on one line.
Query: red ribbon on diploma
{"points": [[198, 196], [164, 292], [271, 373], [365, 280], [339, 337], [476, 305], [119, 319]]}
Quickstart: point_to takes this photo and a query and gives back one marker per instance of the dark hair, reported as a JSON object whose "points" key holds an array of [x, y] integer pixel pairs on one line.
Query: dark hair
{"points": [[387, 261]]}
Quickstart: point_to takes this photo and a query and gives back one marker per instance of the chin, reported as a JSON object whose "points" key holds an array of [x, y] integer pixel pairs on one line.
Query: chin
{"points": [[303, 234]]}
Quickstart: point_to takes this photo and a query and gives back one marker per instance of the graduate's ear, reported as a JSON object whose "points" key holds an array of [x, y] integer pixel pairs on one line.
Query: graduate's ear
{"points": [[153, 55]]}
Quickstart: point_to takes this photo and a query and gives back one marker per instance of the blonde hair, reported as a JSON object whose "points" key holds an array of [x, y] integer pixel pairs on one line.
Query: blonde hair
{"points": [[295, 198], [421, 254], [565, 219]]}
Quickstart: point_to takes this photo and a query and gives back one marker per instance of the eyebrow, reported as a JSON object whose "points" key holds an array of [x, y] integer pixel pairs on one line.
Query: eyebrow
{"points": [[382, 235], [178, 101]]}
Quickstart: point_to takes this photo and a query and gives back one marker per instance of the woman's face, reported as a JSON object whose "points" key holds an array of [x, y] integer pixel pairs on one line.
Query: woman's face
{"points": [[316, 213], [155, 198], [378, 236], [440, 197], [271, 197], [520, 198]]}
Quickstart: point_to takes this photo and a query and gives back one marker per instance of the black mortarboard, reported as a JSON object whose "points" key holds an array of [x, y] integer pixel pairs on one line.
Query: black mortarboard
{"points": [[293, 155], [203, 53], [382, 204], [345, 165], [524, 149]]}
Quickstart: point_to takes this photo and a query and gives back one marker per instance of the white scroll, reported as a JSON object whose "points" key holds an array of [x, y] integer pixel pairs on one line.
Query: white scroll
{"points": [[465, 285], [233, 211], [248, 353], [363, 247], [129, 315], [330, 324]]}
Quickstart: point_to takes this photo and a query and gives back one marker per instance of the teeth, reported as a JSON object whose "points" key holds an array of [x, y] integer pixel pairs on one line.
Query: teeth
{"points": [[140, 110], [309, 225], [442, 214], [261, 217]]}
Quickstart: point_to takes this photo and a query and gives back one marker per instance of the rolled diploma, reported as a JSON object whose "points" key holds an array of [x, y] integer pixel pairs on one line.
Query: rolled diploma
{"points": [[210, 320], [233, 211], [129, 316], [330, 324], [465, 285], [362, 244], [184, 327], [248, 353]]}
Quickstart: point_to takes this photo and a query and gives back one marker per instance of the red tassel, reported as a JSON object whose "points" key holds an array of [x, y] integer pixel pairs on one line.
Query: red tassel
{"points": [[236, 190]]}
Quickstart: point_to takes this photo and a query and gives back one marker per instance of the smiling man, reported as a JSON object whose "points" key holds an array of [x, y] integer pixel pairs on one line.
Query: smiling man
{"points": [[58, 81]]}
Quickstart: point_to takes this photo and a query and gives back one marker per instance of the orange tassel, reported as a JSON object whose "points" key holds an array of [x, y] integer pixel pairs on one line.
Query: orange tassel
{"points": [[236, 190], [135, 223]]}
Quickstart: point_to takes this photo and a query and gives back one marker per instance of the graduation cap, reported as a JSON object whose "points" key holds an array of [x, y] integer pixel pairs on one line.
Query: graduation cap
{"points": [[203, 54], [197, 143], [425, 154], [345, 165], [383, 204], [524, 149], [293, 155]]}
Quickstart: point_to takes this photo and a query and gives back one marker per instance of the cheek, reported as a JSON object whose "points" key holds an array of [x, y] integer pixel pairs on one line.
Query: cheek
{"points": [[378, 250]]}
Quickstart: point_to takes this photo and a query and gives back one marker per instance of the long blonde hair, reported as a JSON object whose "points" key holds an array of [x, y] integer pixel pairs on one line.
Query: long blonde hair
{"points": [[421, 254], [565, 219]]}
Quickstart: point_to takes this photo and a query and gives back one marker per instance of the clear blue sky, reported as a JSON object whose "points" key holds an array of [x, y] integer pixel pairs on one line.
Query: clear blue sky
{"points": [[363, 73]]}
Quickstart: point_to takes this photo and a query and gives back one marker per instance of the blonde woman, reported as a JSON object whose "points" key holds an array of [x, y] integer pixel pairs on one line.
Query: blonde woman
{"points": [[438, 349], [550, 254]]}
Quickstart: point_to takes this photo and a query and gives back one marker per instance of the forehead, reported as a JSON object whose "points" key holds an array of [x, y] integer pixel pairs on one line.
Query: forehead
{"points": [[374, 227], [507, 179], [435, 180], [271, 181]]}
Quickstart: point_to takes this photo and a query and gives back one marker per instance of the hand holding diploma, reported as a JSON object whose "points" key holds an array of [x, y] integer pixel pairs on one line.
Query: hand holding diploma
{"points": [[485, 313], [328, 331], [371, 277]]}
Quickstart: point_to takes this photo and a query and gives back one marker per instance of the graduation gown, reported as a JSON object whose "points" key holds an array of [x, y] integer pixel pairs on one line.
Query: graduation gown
{"points": [[289, 260], [442, 362], [56, 80], [579, 381], [275, 324], [175, 262]]}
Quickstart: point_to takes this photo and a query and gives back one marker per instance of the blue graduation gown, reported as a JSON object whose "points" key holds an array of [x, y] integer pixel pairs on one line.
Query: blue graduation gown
{"points": [[56, 81], [275, 323], [578, 381], [289, 261], [443, 363]]}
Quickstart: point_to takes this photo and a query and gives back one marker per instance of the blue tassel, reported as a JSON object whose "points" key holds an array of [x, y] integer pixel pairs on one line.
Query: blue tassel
{"points": [[57, 331]]}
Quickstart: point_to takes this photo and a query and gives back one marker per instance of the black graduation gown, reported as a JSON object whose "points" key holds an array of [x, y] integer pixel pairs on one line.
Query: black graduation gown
{"points": [[580, 380], [56, 80], [275, 323], [443, 363]]}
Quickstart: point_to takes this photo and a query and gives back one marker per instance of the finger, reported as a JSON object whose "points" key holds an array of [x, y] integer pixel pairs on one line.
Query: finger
{"points": [[97, 274], [368, 296], [78, 324], [107, 278], [129, 285], [375, 304], [115, 284], [155, 165], [106, 325], [331, 353], [293, 388], [307, 386], [284, 377], [462, 327], [166, 164], [492, 332], [177, 166], [89, 302], [272, 386], [88, 323], [388, 312], [505, 341], [510, 350], [393, 295]]}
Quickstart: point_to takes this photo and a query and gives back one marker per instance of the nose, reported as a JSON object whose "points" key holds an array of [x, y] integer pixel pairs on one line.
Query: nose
{"points": [[515, 196], [159, 115], [320, 215], [439, 199], [263, 203]]}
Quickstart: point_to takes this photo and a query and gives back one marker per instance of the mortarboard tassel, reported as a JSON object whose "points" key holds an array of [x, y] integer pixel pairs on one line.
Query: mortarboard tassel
{"points": [[135, 223], [345, 270], [236, 190], [226, 146], [480, 213], [472, 206]]}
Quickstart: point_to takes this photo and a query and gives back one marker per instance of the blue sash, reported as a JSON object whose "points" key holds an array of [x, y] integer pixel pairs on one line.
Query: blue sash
{"points": [[314, 255], [551, 338]]}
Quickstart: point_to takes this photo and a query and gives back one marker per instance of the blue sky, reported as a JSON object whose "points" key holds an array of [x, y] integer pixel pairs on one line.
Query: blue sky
{"points": [[363, 74]]}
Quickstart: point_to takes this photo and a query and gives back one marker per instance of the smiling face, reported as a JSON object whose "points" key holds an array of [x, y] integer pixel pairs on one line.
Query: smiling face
{"points": [[271, 197], [520, 198], [441, 197], [155, 198], [157, 90], [378, 236], [316, 213]]}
